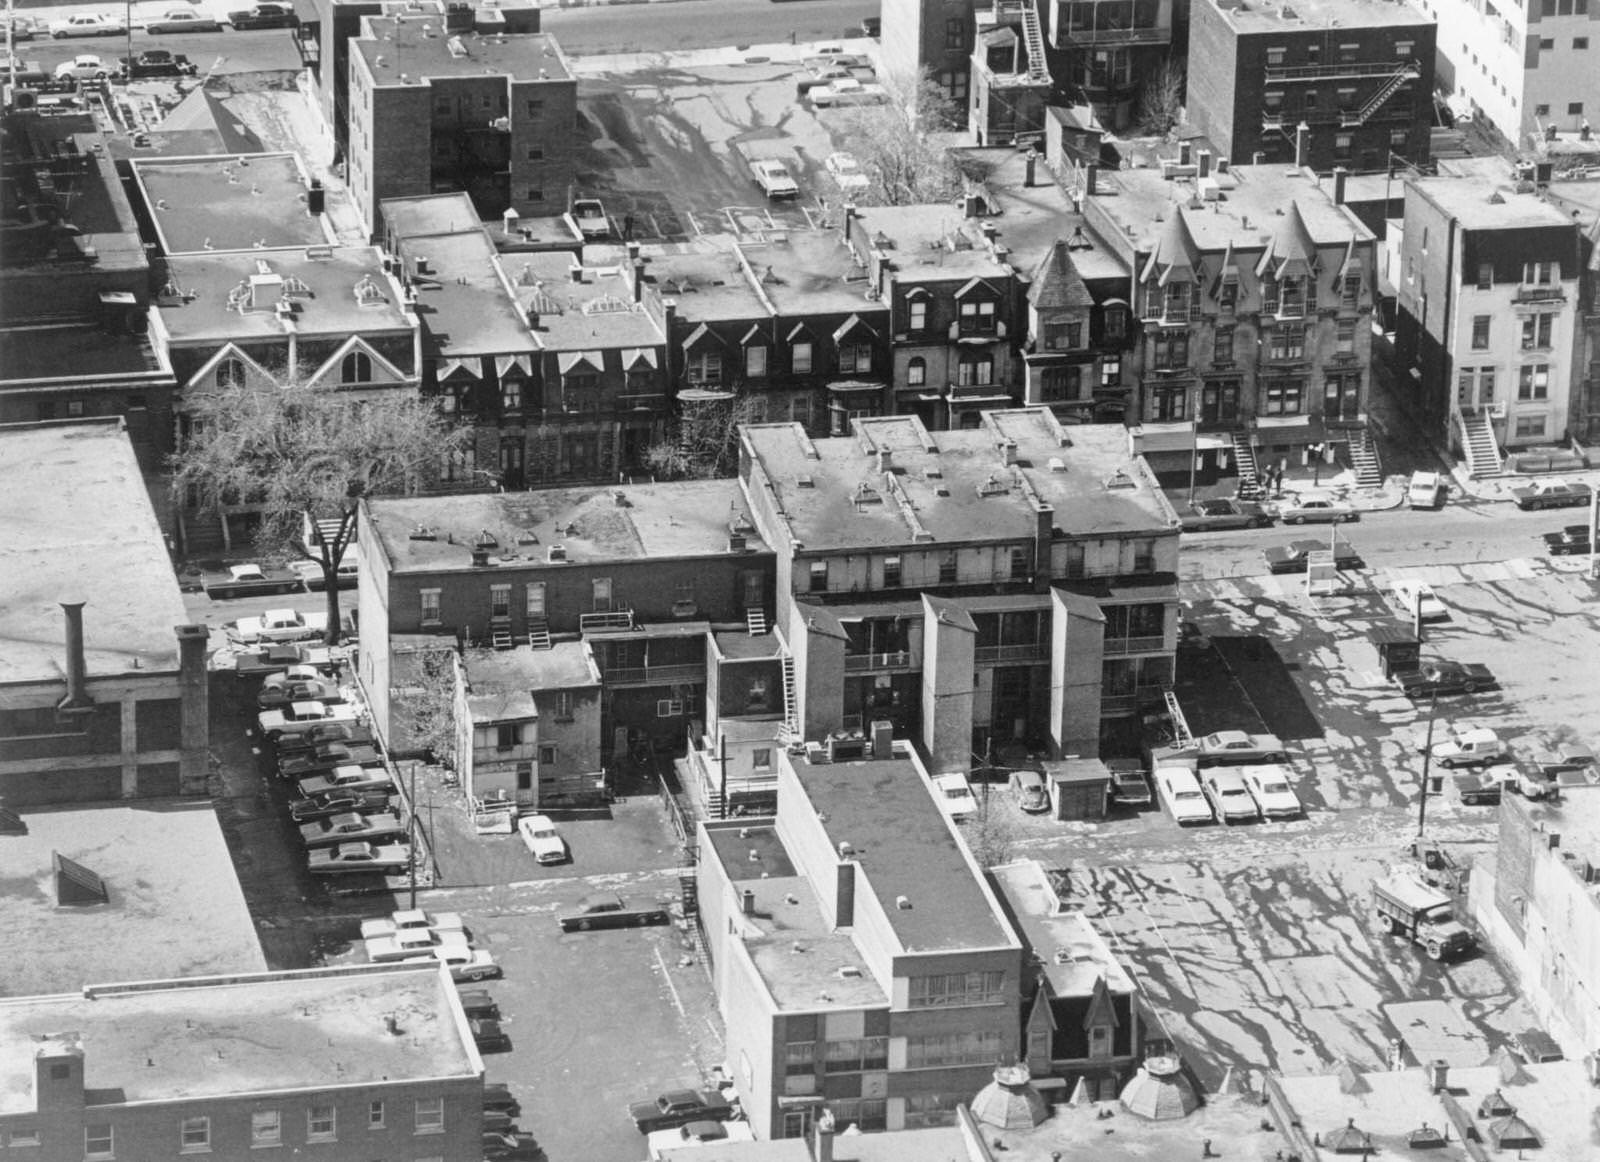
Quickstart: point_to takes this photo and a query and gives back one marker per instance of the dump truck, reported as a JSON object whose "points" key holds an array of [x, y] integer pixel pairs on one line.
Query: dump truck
{"points": [[1403, 905]]}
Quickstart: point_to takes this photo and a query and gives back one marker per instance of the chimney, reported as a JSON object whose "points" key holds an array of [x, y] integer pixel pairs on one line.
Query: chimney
{"points": [[823, 1149], [194, 766], [747, 902], [77, 700], [1302, 141], [1438, 1076], [638, 280], [1222, 165], [1184, 154], [882, 738], [844, 897], [885, 460], [576, 271], [1203, 160], [633, 251], [316, 197], [1008, 452], [1339, 176], [480, 556], [1091, 175], [849, 217], [1029, 162]]}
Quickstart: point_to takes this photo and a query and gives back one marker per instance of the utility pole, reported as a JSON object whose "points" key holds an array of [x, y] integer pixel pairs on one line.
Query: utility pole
{"points": [[1194, 452], [1427, 765]]}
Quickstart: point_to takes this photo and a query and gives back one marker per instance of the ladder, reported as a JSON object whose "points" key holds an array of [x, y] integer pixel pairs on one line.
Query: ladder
{"points": [[789, 733], [755, 621], [1033, 41], [1180, 724]]}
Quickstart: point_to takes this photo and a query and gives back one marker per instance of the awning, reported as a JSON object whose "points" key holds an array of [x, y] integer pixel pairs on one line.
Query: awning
{"points": [[1176, 438], [849, 385], [1289, 429], [970, 400], [522, 362], [567, 360], [635, 355]]}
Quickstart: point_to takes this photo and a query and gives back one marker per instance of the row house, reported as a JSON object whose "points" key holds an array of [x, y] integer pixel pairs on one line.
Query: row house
{"points": [[1489, 328], [1010, 582], [1075, 353], [1579, 195], [1254, 290], [953, 306]]}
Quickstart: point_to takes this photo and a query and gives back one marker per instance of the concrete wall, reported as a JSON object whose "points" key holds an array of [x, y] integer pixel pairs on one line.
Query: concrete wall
{"points": [[1077, 632], [948, 641]]}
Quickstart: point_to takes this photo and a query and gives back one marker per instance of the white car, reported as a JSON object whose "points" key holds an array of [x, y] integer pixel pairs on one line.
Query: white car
{"points": [[846, 171], [412, 942], [180, 20], [705, 1132], [465, 963], [84, 67], [1426, 490], [298, 716], [1418, 598], [1230, 797], [1269, 787], [88, 24], [412, 920], [954, 794], [539, 834], [281, 625], [848, 91], [1317, 510], [774, 178], [1179, 792]]}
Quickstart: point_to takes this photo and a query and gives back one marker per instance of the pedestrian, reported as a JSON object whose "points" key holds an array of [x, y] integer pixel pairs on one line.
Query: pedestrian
{"points": [[627, 227], [791, 36]]}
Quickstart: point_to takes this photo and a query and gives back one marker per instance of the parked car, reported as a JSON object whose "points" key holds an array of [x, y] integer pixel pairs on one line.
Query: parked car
{"points": [[774, 178], [157, 62], [1291, 558], [498, 1144], [23, 27], [1442, 676], [1479, 789], [84, 67], [269, 659], [1269, 787], [347, 574], [848, 91], [1031, 793], [412, 943], [496, 1094], [539, 835], [298, 716], [1554, 757], [303, 763], [274, 695], [349, 734], [1316, 510], [251, 580], [1472, 747], [346, 858], [478, 1003], [265, 16], [346, 779], [700, 1133], [1128, 784], [1536, 1047], [1569, 542], [1417, 598], [488, 1036], [181, 20], [1180, 793], [1238, 746], [88, 24], [412, 920], [465, 964], [609, 911], [590, 216], [1551, 494], [1426, 490], [954, 794], [846, 172], [1206, 516], [679, 1107], [280, 625], [327, 806], [1230, 798], [350, 825]]}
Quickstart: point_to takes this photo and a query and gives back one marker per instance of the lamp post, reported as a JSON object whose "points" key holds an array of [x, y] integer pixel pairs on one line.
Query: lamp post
{"points": [[1315, 451], [1194, 452]]}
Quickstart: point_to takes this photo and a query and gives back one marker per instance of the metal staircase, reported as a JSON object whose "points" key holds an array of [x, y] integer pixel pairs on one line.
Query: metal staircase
{"points": [[1406, 72], [755, 621], [1483, 451], [789, 733], [539, 633], [1033, 41], [1364, 457], [1246, 457]]}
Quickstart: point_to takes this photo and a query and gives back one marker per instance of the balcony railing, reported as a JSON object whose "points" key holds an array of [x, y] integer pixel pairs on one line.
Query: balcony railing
{"points": [[1330, 71], [1023, 652], [1117, 647], [1540, 294], [1081, 36], [694, 673], [900, 660]]}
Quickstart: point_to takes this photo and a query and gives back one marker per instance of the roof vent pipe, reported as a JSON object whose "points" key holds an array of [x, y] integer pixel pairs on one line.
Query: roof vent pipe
{"points": [[77, 700]]}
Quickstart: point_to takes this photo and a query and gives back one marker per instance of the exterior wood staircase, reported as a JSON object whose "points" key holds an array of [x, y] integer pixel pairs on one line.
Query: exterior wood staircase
{"points": [[1246, 458], [1033, 41], [755, 620], [1483, 451]]}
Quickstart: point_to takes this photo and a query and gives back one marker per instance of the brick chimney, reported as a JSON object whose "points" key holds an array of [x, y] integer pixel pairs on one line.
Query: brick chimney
{"points": [[194, 697]]}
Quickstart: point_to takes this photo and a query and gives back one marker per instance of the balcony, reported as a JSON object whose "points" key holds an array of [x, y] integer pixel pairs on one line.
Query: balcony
{"points": [[1121, 647], [1118, 36], [1333, 70], [898, 661], [693, 673], [1540, 294], [1023, 652], [976, 334]]}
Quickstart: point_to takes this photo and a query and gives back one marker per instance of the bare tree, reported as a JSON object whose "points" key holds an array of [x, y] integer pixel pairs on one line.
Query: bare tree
{"points": [[991, 836], [302, 458], [1161, 100], [703, 442], [898, 143], [426, 685]]}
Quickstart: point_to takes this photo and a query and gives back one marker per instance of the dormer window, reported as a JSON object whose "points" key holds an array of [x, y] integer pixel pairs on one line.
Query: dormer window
{"points": [[1116, 322], [978, 318], [356, 368], [230, 373], [917, 312]]}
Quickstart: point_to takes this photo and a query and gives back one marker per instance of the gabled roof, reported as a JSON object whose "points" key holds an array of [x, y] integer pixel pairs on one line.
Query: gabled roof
{"points": [[1290, 251], [1175, 252], [1102, 1010], [1056, 284]]}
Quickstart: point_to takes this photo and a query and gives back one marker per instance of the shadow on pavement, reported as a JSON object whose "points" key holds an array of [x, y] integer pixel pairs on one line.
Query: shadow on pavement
{"points": [[1266, 679]]}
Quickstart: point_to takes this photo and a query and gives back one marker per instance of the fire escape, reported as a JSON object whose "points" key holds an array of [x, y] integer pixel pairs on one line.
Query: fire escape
{"points": [[1406, 71], [1392, 76], [1033, 41]]}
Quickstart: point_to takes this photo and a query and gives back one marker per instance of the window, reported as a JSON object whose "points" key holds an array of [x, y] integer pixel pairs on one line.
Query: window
{"points": [[23, 1136], [1116, 323], [799, 1056], [194, 1136], [1404, 48], [375, 1120], [1228, 295], [511, 395], [356, 368], [800, 358], [1485, 275], [856, 358], [1531, 425], [975, 370], [1284, 398], [1575, 108], [1275, 57], [1062, 336], [1480, 332], [1342, 144], [977, 317], [76, 408], [917, 313], [755, 361], [230, 373], [1111, 371], [948, 990], [1540, 273], [866, 1113], [535, 153], [1171, 349], [1547, 43], [430, 606], [535, 108], [1580, 43], [856, 1055], [1288, 343], [507, 735], [819, 576], [1168, 404], [1533, 381], [1345, 337], [931, 1109], [1311, 99], [322, 1124], [705, 366], [1060, 384], [1486, 385], [535, 194], [547, 754], [891, 571], [1541, 110], [955, 34], [500, 602], [428, 1117], [266, 1128], [942, 1050], [97, 1141], [947, 569], [916, 371], [668, 708], [1019, 564], [761, 758], [1536, 331], [1222, 345]]}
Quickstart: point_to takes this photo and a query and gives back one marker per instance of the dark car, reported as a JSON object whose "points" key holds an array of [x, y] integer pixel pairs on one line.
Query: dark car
{"points": [[1569, 542], [1291, 558], [265, 16], [499, 1144], [157, 62], [679, 1107], [349, 733], [489, 1036], [1128, 784], [1551, 494], [1210, 515], [326, 758], [497, 1095], [1535, 1046], [1478, 790], [1441, 676], [608, 911], [479, 1005], [327, 806]]}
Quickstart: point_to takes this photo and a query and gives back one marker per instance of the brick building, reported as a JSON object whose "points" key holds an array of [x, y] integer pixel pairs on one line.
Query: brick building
{"points": [[435, 109], [935, 36], [343, 1063], [1109, 49], [1011, 82], [102, 682], [1358, 74], [862, 965]]}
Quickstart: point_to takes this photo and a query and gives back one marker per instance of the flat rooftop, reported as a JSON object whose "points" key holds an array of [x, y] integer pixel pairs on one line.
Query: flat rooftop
{"points": [[1247, 212], [931, 243], [564, 666], [233, 297], [933, 1144], [1315, 17], [588, 313], [807, 273], [1072, 955], [87, 533], [1034, 217], [1232, 1123], [314, 1030], [429, 214], [419, 49], [77, 355], [463, 297], [1575, 817], [905, 846], [231, 202], [1484, 197], [687, 518], [954, 486], [166, 869], [706, 278]]}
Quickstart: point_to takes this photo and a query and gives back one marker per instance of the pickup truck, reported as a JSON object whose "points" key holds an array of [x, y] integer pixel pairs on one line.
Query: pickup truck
{"points": [[280, 625], [1405, 906], [1551, 494], [848, 91]]}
